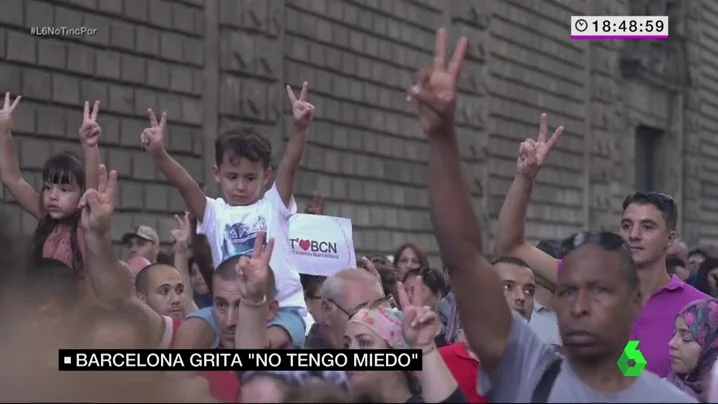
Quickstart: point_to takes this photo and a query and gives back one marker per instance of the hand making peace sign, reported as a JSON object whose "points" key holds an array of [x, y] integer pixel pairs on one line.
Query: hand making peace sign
{"points": [[97, 205], [435, 88], [90, 130], [6, 114], [533, 153], [302, 110], [253, 273], [183, 233], [420, 324], [153, 137]]}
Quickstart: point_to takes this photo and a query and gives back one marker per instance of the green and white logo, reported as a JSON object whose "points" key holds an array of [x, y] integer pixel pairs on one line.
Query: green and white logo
{"points": [[632, 361]]}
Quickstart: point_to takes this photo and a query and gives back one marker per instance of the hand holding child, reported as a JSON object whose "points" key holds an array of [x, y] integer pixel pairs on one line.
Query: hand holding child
{"points": [[90, 130], [153, 137], [6, 114]]}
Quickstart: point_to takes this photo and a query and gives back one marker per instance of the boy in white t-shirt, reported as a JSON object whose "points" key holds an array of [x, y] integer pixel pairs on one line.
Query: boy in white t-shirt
{"points": [[231, 224]]}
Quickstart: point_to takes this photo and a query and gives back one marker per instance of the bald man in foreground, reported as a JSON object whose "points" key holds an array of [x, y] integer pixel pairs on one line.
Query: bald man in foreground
{"points": [[161, 287]]}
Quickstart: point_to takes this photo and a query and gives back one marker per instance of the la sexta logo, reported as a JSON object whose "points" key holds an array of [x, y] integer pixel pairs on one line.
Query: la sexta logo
{"points": [[316, 248]]}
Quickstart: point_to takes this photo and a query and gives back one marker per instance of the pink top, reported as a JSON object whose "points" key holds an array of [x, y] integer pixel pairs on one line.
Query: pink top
{"points": [[654, 325], [58, 246]]}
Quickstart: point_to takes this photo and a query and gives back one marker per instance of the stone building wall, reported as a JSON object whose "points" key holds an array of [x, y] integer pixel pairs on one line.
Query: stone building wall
{"points": [[215, 63]]}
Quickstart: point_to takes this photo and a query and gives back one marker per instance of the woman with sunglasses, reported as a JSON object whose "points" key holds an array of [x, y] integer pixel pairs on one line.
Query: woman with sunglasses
{"points": [[380, 326]]}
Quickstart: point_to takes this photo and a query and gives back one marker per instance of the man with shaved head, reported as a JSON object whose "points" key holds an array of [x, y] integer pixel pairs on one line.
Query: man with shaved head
{"points": [[342, 294], [215, 326], [160, 286]]}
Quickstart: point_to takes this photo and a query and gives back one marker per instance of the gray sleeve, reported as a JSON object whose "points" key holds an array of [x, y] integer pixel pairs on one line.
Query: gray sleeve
{"points": [[525, 359]]}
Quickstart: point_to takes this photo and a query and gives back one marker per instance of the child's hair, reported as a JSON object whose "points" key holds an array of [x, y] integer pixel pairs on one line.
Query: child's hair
{"points": [[61, 168], [243, 142]]}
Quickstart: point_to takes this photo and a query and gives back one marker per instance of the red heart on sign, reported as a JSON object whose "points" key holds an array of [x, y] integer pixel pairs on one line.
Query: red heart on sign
{"points": [[304, 244]]}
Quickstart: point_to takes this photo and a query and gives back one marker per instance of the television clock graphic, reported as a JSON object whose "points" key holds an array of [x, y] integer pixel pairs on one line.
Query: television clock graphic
{"points": [[632, 361], [602, 27]]}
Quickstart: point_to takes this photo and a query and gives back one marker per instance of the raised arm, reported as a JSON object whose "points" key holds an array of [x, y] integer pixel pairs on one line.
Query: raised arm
{"points": [[110, 280], [253, 311], [302, 113], [476, 285], [182, 236], [153, 142], [420, 326], [511, 230], [22, 192], [90, 132]]}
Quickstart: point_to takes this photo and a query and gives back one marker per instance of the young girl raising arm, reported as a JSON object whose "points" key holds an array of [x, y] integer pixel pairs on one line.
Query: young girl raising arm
{"points": [[64, 179]]}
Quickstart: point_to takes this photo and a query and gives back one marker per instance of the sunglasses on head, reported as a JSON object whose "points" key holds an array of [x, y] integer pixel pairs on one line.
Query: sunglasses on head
{"points": [[606, 240]]}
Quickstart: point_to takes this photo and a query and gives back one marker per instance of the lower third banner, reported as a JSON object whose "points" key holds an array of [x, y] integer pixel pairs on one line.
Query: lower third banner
{"points": [[240, 360]]}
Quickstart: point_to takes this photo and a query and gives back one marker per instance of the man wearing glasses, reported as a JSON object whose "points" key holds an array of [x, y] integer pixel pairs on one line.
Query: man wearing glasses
{"points": [[342, 295], [648, 226]]}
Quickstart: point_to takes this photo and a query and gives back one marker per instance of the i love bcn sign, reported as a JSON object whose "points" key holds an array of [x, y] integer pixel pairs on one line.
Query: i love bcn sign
{"points": [[632, 361]]}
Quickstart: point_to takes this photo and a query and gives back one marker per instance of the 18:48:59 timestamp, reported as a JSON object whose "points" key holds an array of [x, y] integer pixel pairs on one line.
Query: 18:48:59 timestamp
{"points": [[648, 26], [619, 27]]}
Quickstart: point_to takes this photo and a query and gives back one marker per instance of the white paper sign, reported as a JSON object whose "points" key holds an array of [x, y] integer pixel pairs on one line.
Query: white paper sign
{"points": [[321, 245]]}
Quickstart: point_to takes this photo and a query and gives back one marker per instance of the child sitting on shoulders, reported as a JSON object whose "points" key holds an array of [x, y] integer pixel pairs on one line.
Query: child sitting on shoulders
{"points": [[242, 169]]}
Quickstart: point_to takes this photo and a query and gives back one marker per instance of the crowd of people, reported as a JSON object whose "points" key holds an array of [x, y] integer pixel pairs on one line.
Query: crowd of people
{"points": [[524, 323]]}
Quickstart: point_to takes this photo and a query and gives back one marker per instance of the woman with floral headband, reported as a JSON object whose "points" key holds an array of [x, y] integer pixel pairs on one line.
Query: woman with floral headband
{"points": [[382, 327], [694, 347]]}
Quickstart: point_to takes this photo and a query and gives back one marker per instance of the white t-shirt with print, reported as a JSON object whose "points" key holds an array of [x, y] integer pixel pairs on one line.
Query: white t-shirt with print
{"points": [[231, 231]]}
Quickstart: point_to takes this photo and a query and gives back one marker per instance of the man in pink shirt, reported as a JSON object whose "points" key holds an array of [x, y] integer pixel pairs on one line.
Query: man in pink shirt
{"points": [[648, 225]]}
